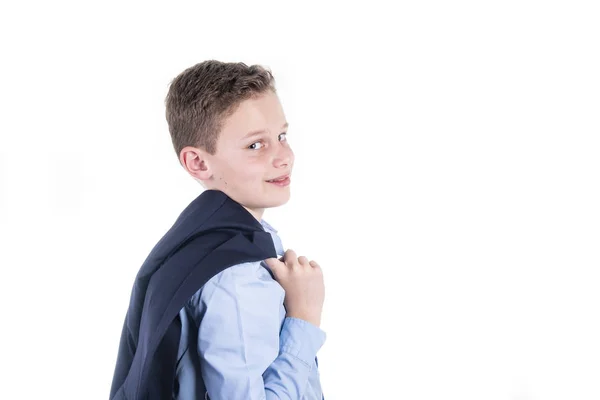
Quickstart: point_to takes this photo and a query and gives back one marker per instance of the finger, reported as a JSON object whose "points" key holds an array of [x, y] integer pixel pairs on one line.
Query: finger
{"points": [[303, 260], [273, 263], [289, 256], [314, 264]]}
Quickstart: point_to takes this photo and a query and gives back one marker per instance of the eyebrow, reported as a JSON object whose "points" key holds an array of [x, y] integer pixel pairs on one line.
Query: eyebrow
{"points": [[253, 133]]}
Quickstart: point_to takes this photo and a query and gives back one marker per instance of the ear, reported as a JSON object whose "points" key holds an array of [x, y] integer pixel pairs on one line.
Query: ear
{"points": [[196, 162]]}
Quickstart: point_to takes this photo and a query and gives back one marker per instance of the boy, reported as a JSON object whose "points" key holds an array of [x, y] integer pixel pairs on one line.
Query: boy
{"points": [[252, 330]]}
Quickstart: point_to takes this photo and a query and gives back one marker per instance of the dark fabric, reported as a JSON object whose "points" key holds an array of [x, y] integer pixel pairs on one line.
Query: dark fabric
{"points": [[213, 233]]}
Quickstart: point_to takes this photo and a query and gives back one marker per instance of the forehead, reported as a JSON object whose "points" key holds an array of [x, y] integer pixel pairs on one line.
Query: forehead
{"points": [[259, 113]]}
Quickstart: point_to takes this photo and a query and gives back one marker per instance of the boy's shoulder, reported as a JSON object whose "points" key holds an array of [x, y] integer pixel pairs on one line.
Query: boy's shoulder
{"points": [[249, 283]]}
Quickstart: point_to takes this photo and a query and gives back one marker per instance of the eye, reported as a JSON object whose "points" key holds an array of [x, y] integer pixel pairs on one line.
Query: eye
{"points": [[254, 147], [284, 134]]}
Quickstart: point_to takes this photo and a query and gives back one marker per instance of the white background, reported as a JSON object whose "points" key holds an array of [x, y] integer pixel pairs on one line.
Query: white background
{"points": [[447, 180]]}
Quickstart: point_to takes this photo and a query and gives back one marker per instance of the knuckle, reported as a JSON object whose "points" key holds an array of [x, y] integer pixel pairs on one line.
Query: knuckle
{"points": [[303, 260]]}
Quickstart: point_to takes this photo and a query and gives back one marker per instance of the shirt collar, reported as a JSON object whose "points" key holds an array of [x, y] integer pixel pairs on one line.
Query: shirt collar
{"points": [[267, 226]]}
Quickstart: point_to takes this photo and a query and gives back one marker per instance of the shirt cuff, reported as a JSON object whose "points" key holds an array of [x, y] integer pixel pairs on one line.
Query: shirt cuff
{"points": [[301, 339]]}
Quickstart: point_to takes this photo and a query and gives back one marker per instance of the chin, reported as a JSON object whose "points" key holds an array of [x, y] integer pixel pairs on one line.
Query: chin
{"points": [[280, 203], [267, 200], [275, 201]]}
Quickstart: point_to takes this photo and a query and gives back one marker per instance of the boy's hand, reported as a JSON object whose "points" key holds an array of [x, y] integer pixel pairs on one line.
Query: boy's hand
{"points": [[303, 284]]}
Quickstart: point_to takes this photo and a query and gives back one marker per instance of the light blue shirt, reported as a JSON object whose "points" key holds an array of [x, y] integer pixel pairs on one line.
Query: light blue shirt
{"points": [[246, 348]]}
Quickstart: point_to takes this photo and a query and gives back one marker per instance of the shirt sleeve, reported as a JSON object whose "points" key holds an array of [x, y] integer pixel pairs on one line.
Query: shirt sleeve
{"points": [[245, 352]]}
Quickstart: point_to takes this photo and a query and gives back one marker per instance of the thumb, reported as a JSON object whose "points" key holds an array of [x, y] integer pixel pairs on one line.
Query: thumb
{"points": [[274, 264]]}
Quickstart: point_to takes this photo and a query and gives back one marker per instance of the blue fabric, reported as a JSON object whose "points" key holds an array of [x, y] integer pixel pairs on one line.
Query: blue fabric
{"points": [[238, 344], [212, 234]]}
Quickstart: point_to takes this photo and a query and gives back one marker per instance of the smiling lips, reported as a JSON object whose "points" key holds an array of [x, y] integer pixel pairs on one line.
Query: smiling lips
{"points": [[281, 181]]}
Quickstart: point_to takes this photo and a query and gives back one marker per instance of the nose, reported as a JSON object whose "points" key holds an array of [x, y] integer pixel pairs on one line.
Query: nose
{"points": [[284, 157]]}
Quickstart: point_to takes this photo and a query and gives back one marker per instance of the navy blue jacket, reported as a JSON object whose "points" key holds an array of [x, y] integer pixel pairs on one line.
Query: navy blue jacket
{"points": [[213, 233]]}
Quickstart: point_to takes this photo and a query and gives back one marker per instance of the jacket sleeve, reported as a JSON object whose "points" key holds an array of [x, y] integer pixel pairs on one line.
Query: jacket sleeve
{"points": [[245, 351]]}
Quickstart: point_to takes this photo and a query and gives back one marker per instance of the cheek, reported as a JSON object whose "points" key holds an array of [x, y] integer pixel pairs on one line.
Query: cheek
{"points": [[247, 173]]}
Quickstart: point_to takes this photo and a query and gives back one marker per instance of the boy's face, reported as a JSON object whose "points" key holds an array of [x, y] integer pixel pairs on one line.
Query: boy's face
{"points": [[245, 162]]}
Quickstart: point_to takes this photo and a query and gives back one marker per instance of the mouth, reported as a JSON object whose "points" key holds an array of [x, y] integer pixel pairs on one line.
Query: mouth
{"points": [[283, 180]]}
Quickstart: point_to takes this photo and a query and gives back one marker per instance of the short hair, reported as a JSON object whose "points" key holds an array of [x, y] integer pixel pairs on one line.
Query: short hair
{"points": [[203, 96]]}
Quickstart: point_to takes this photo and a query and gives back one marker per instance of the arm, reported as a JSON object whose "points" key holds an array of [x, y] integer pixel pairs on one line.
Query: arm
{"points": [[245, 352], [299, 343]]}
